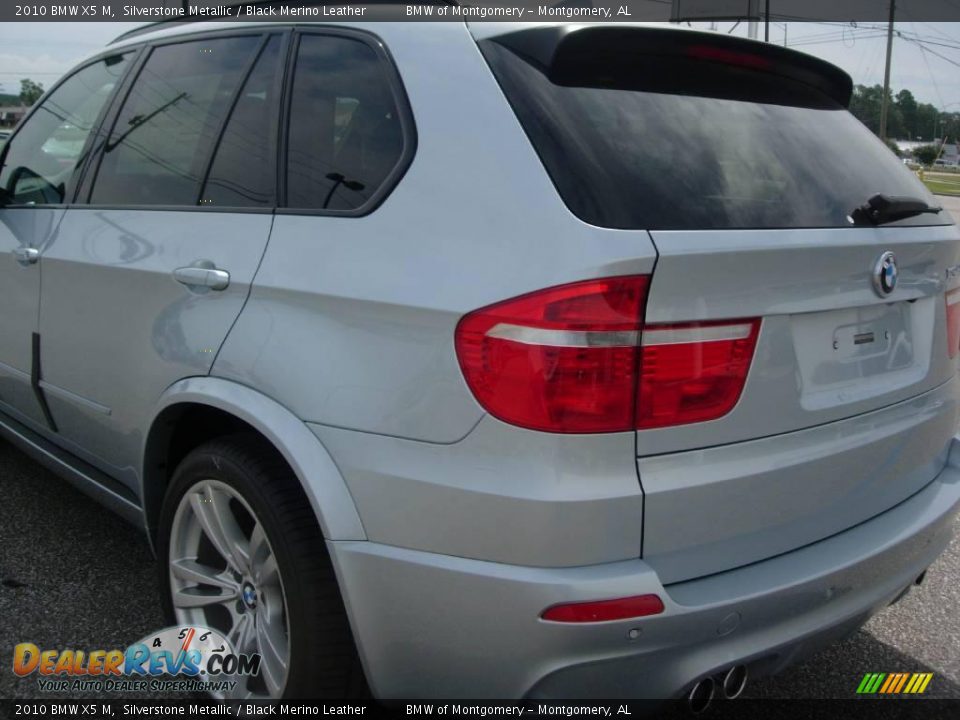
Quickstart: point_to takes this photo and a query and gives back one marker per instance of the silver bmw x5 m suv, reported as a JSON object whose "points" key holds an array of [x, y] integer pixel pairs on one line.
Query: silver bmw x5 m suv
{"points": [[486, 360]]}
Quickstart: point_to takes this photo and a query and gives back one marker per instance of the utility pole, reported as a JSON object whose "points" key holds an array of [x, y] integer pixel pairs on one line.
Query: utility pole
{"points": [[766, 22], [884, 102]]}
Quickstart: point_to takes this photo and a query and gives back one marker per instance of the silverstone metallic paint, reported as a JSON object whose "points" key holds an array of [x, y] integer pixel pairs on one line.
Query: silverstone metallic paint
{"points": [[308, 459], [785, 607], [20, 304], [110, 302]]}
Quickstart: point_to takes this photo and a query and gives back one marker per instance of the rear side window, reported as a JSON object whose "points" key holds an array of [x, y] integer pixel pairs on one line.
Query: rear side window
{"points": [[242, 173], [345, 134], [692, 143], [157, 152], [48, 149]]}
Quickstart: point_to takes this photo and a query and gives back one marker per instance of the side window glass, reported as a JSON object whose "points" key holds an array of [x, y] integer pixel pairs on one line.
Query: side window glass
{"points": [[157, 151], [48, 148], [345, 133], [242, 173]]}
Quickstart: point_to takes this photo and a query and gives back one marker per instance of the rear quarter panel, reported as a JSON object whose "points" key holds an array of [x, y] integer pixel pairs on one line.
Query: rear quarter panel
{"points": [[351, 320]]}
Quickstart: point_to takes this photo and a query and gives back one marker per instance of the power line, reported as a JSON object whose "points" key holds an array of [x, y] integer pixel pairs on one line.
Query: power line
{"points": [[933, 52]]}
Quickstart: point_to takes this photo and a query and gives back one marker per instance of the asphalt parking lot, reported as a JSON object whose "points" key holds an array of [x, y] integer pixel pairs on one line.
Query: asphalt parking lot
{"points": [[74, 575], [952, 204]]}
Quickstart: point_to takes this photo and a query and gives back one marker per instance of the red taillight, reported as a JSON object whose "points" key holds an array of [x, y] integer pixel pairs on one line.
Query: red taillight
{"points": [[604, 610], [560, 360], [693, 372], [953, 322], [577, 359]]}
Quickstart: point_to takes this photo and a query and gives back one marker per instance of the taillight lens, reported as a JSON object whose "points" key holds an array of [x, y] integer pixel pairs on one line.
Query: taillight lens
{"points": [[560, 360], [729, 57], [577, 358], [693, 372], [953, 322]]}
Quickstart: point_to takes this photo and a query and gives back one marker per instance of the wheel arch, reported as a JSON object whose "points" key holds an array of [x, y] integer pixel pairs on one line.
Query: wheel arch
{"points": [[194, 410]]}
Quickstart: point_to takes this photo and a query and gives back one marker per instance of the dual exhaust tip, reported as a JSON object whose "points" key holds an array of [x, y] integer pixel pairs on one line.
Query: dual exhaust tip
{"points": [[731, 686]]}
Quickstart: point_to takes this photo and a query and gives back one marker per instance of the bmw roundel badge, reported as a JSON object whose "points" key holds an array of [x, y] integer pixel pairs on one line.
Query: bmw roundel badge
{"points": [[885, 274]]}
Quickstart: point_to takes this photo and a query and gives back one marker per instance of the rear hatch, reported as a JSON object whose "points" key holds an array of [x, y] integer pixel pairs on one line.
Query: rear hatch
{"points": [[742, 163]]}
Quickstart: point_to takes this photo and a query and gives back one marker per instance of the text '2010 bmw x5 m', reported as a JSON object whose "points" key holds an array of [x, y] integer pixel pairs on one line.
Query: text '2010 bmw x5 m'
{"points": [[484, 360]]}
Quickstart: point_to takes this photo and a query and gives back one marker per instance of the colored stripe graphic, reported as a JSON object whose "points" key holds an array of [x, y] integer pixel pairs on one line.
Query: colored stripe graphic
{"points": [[894, 683], [891, 680], [871, 683], [903, 681]]}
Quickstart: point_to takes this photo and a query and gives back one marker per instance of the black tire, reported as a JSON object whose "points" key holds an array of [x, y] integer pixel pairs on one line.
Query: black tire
{"points": [[323, 657]]}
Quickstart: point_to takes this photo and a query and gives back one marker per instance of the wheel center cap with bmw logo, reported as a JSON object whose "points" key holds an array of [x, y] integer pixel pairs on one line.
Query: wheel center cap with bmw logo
{"points": [[249, 594], [885, 274]]}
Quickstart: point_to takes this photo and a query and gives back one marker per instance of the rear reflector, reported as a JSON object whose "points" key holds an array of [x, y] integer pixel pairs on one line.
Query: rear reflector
{"points": [[578, 358], [605, 610], [953, 322]]}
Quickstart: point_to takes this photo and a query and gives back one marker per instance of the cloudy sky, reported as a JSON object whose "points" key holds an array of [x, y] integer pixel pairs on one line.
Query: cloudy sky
{"points": [[926, 57]]}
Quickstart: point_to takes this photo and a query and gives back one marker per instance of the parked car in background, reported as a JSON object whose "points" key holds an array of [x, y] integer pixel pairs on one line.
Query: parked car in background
{"points": [[593, 365]]}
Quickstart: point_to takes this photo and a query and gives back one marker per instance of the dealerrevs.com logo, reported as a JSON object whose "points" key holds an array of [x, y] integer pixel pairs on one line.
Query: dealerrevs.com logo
{"points": [[176, 659]]}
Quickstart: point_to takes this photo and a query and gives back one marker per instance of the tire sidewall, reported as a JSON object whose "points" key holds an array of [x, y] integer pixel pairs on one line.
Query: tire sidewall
{"points": [[209, 464]]}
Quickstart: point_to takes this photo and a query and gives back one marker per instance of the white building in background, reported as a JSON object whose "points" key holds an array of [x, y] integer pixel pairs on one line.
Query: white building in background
{"points": [[950, 154], [10, 114]]}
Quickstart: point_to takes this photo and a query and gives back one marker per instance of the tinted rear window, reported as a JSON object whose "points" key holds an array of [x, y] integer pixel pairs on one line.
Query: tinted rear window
{"points": [[345, 133], [695, 145]]}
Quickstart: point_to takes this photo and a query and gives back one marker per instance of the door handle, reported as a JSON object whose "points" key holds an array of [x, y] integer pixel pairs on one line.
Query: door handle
{"points": [[26, 255], [203, 275]]}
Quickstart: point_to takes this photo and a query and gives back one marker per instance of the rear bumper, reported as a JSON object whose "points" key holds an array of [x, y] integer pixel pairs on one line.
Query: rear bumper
{"points": [[431, 625]]}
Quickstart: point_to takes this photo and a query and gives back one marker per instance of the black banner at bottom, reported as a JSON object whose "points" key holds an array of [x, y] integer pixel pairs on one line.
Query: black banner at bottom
{"points": [[120, 709]]}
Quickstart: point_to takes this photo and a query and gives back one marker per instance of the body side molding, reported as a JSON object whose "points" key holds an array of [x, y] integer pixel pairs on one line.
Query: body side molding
{"points": [[35, 379]]}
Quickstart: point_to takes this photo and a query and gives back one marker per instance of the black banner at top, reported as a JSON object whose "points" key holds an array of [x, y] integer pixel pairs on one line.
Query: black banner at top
{"points": [[481, 10]]}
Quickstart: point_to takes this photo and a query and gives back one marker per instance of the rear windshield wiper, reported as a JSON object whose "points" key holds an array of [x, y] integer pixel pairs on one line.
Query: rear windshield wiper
{"points": [[882, 209]]}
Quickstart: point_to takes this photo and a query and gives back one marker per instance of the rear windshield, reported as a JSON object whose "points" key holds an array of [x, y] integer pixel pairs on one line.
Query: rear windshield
{"points": [[690, 147]]}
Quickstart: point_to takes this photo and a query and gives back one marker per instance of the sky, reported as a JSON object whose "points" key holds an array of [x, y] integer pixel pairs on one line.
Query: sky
{"points": [[926, 57], [44, 51]]}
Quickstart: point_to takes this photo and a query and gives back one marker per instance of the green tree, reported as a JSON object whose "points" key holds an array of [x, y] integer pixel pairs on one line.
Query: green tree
{"points": [[907, 107], [865, 105], [30, 91], [926, 154], [928, 118], [906, 118], [951, 125]]}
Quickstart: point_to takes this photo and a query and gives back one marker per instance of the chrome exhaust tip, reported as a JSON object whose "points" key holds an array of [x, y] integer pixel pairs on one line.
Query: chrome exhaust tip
{"points": [[701, 695], [734, 682]]}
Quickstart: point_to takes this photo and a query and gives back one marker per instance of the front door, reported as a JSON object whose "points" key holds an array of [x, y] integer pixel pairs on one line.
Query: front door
{"points": [[143, 282], [37, 177]]}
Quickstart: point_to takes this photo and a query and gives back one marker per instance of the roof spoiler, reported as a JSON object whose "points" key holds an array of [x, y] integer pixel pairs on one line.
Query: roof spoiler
{"points": [[561, 51]]}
